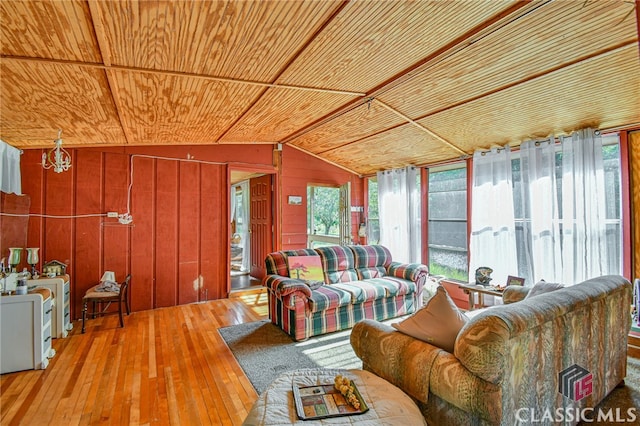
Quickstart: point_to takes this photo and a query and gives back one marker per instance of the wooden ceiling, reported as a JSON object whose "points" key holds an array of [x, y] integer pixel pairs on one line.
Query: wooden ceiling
{"points": [[367, 85]]}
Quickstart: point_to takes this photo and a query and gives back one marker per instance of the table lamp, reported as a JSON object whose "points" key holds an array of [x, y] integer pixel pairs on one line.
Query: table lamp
{"points": [[32, 259], [14, 258]]}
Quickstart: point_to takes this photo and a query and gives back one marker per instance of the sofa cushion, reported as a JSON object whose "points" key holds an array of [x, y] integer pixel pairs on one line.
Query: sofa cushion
{"points": [[542, 287], [338, 264], [328, 297], [362, 291], [276, 263], [305, 267], [394, 286], [437, 323], [371, 261]]}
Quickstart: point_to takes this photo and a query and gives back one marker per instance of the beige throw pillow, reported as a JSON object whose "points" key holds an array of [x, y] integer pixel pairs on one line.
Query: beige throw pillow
{"points": [[542, 287], [437, 323]]}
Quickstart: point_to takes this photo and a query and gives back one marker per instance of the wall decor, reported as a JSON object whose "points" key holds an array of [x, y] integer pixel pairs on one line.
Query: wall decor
{"points": [[295, 200]]}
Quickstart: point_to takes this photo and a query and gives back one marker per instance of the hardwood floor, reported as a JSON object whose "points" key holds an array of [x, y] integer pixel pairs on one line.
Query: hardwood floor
{"points": [[166, 366]]}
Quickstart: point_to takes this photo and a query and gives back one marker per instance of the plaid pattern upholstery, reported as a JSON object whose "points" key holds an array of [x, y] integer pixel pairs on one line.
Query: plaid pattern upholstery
{"points": [[371, 261], [285, 285], [361, 282], [408, 271], [370, 256], [362, 290], [328, 297], [394, 286], [338, 264]]}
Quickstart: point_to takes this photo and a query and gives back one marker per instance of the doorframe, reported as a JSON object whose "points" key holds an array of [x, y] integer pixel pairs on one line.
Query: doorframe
{"points": [[275, 205]]}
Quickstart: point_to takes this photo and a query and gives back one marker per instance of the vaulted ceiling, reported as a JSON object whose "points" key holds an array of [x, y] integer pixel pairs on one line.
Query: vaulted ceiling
{"points": [[367, 85]]}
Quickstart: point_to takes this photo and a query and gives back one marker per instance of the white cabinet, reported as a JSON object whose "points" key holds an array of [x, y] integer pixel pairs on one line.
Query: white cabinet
{"points": [[25, 331], [61, 289]]}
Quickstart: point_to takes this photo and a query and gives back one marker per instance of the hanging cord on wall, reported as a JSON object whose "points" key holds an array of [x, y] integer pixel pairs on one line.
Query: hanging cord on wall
{"points": [[53, 216], [126, 218]]}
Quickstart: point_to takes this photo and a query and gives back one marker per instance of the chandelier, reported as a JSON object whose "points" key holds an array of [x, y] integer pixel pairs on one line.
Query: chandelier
{"points": [[57, 158]]}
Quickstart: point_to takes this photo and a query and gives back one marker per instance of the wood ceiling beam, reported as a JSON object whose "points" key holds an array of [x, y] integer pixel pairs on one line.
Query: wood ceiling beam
{"points": [[609, 51], [180, 74], [497, 22], [326, 161], [421, 127], [105, 53], [482, 30], [291, 60], [575, 62]]}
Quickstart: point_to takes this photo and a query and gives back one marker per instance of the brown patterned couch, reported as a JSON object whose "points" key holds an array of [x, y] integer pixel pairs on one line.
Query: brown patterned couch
{"points": [[507, 359]]}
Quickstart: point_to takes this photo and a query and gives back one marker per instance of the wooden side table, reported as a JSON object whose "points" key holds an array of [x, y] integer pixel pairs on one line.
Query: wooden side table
{"points": [[480, 290]]}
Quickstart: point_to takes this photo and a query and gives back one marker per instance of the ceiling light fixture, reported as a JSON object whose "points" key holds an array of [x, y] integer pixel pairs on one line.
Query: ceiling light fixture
{"points": [[57, 158]]}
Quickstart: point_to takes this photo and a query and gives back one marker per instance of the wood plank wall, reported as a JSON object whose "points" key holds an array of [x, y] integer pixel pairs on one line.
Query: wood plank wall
{"points": [[177, 246]]}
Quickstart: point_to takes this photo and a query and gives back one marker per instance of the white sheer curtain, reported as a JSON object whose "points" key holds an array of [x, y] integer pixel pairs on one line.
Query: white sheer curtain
{"points": [[493, 235], [541, 227], [584, 245], [10, 180], [243, 229], [399, 208]]}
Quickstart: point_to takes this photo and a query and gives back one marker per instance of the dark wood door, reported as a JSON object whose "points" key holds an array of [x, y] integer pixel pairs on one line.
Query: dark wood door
{"points": [[260, 223]]}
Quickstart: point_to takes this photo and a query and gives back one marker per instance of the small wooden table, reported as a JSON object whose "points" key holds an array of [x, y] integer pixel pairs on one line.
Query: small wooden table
{"points": [[480, 290]]}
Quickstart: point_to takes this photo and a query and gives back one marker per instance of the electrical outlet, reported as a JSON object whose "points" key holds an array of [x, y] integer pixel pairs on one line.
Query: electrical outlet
{"points": [[125, 219], [112, 214]]}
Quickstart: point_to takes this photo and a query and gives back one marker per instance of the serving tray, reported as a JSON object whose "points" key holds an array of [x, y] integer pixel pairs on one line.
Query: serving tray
{"points": [[323, 401]]}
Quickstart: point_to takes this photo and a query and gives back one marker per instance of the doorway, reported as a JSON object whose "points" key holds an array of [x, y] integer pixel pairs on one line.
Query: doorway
{"points": [[251, 229], [240, 255], [328, 215]]}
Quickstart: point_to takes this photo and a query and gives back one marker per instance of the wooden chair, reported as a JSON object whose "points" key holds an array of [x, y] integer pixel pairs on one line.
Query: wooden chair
{"points": [[108, 297]]}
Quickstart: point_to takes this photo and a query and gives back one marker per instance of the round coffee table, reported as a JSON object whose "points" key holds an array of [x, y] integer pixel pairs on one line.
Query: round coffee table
{"points": [[387, 403]]}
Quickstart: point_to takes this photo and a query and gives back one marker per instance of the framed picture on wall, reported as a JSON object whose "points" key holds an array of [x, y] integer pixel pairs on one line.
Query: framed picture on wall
{"points": [[295, 200], [515, 280]]}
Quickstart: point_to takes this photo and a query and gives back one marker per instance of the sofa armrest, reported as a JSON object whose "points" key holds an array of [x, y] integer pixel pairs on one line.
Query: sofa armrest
{"points": [[514, 293], [396, 357], [408, 271], [283, 286], [452, 382], [418, 368]]}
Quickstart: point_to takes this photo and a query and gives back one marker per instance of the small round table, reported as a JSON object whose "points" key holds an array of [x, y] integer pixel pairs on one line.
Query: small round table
{"points": [[387, 404]]}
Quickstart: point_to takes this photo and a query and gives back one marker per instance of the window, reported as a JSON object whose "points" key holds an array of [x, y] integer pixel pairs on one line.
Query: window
{"points": [[448, 253], [611, 159], [373, 217]]}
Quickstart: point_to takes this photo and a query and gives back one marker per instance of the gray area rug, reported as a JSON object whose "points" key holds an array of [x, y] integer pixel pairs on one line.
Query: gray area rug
{"points": [[264, 351]]}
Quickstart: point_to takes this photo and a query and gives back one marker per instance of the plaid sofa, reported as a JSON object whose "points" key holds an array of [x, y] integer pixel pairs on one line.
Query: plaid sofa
{"points": [[359, 282]]}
